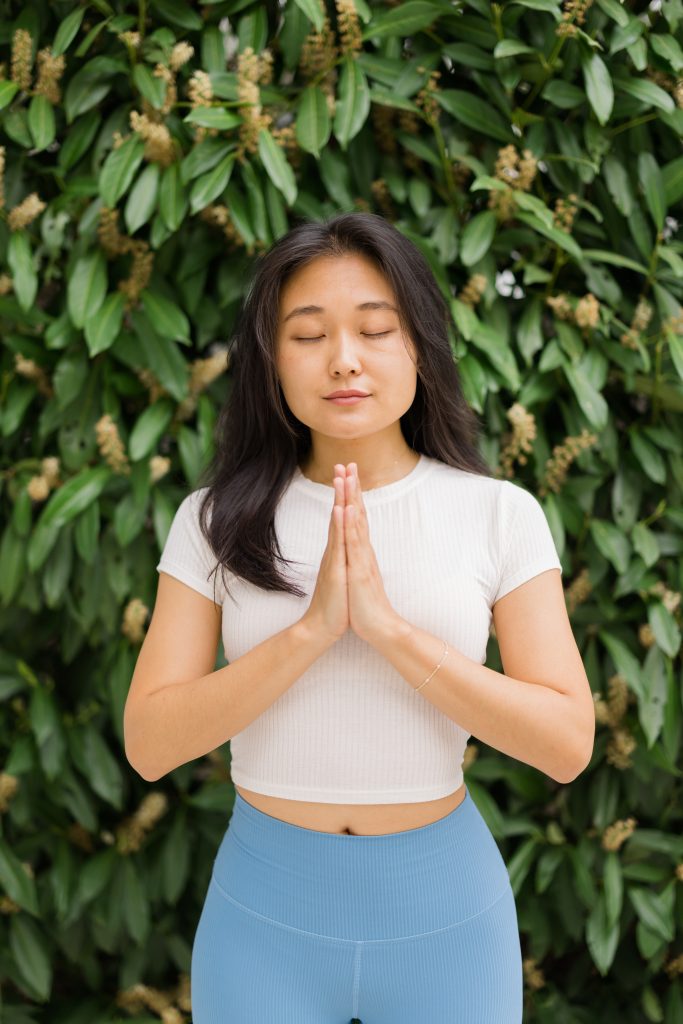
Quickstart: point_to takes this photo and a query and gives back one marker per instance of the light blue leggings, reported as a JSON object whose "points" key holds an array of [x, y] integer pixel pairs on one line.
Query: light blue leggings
{"points": [[308, 927]]}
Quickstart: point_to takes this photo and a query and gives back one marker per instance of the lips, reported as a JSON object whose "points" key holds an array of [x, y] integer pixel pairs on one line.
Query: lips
{"points": [[348, 394]]}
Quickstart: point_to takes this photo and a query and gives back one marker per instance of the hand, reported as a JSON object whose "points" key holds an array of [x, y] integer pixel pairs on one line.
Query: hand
{"points": [[349, 590], [369, 607], [328, 611]]}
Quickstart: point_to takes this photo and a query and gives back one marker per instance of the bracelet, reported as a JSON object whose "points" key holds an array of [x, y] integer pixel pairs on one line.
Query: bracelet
{"points": [[445, 653]]}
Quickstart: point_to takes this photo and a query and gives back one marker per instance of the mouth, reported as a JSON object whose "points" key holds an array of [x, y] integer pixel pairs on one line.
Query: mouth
{"points": [[347, 400]]}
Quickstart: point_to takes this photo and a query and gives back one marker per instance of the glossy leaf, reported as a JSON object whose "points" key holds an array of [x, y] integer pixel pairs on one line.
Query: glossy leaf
{"points": [[87, 287]]}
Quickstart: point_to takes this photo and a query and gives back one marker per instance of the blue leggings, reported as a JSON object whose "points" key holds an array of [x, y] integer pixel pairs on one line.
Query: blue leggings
{"points": [[308, 927]]}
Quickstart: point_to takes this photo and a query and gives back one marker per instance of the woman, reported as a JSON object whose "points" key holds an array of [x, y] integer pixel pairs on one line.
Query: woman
{"points": [[356, 878]]}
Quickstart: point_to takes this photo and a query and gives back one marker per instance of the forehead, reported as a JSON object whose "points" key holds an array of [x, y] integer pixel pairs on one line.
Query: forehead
{"points": [[350, 283]]}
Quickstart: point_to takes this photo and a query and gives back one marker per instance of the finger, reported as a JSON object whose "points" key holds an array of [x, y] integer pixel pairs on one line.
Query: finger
{"points": [[357, 492]]}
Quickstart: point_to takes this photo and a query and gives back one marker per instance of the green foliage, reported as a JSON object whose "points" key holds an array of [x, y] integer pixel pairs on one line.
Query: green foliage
{"points": [[540, 172]]}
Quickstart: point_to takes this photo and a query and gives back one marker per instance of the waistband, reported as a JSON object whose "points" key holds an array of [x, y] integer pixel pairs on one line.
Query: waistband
{"points": [[379, 887]]}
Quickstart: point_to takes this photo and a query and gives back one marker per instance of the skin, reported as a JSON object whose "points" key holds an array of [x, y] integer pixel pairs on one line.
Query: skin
{"points": [[344, 356]]}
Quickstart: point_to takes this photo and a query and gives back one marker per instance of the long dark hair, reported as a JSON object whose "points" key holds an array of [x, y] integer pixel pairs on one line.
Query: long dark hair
{"points": [[258, 440]]}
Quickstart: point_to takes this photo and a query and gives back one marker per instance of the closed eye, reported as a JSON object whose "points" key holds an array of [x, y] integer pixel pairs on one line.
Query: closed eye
{"points": [[380, 335]]}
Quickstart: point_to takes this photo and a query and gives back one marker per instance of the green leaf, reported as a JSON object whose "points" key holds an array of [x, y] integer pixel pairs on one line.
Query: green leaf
{"points": [[8, 91], [646, 91], [353, 105], [68, 501], [86, 287], [149, 429], [645, 543], [671, 258], [389, 99], [79, 140], [598, 84], [563, 94], [613, 885], [102, 329], [651, 705], [67, 31], [211, 185], [89, 86], [613, 544], [119, 168], [313, 12], [615, 11], [31, 954], [151, 87], [486, 181], [475, 112], [175, 861], [556, 235], [651, 460], [602, 935], [167, 318], [511, 47], [136, 910], [41, 121], [404, 20], [165, 361], [653, 186], [520, 863], [179, 13], [655, 909], [676, 350], [665, 628], [464, 317], [625, 662], [618, 184], [102, 769], [313, 120], [74, 496], [604, 256], [213, 117], [549, 6], [477, 237], [203, 157], [668, 48], [16, 882], [499, 353], [24, 274], [142, 199], [173, 200], [276, 165]]}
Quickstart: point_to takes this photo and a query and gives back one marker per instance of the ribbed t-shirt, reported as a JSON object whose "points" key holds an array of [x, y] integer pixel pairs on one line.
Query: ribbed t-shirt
{"points": [[449, 543]]}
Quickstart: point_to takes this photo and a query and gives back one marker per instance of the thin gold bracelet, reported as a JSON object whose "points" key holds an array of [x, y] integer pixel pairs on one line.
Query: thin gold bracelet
{"points": [[445, 653]]}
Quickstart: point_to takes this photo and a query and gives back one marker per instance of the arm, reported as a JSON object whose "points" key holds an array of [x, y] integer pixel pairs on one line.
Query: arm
{"points": [[182, 721], [534, 722]]}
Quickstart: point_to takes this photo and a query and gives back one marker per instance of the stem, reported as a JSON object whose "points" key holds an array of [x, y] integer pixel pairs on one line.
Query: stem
{"points": [[633, 123], [550, 67]]}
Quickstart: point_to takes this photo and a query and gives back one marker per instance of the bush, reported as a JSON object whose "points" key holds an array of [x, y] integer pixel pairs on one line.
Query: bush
{"points": [[149, 152]]}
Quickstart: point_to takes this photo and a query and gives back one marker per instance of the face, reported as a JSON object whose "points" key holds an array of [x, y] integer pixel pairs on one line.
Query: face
{"points": [[341, 347]]}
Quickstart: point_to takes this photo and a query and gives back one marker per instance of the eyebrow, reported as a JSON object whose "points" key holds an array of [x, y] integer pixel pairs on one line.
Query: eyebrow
{"points": [[306, 310]]}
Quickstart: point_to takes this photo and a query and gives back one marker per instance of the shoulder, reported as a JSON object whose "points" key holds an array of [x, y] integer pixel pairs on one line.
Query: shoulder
{"points": [[451, 477]]}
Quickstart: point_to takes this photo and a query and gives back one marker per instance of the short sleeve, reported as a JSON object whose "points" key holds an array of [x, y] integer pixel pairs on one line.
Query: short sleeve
{"points": [[186, 553], [526, 545]]}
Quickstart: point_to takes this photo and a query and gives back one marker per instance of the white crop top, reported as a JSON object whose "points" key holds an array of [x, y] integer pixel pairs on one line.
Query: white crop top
{"points": [[351, 729]]}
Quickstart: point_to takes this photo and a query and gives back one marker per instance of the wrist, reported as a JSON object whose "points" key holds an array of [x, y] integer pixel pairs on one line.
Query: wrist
{"points": [[310, 631]]}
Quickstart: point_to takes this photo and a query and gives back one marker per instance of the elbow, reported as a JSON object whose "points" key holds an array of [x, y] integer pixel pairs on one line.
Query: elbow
{"points": [[132, 727], [577, 763]]}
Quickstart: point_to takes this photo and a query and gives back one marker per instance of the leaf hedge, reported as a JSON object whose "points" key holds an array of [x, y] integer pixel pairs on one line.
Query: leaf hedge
{"points": [[148, 152]]}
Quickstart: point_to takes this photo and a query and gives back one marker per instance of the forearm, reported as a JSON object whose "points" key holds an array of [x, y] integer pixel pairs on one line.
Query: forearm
{"points": [[531, 722], [183, 721]]}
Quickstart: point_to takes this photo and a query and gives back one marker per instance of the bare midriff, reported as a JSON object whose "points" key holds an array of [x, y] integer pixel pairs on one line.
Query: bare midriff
{"points": [[354, 819]]}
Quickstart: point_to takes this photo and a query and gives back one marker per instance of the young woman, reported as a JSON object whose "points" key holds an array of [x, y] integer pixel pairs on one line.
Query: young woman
{"points": [[356, 878]]}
